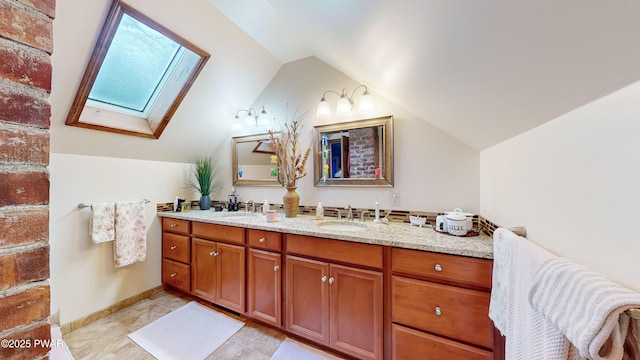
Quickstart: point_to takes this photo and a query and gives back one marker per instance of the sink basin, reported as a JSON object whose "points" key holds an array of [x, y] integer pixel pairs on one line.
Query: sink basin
{"points": [[341, 226]]}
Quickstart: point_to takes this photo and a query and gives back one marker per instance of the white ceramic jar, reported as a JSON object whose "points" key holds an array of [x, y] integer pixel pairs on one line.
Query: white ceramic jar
{"points": [[457, 223]]}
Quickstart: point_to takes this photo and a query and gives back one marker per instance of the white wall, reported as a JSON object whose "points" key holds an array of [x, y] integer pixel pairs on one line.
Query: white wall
{"points": [[433, 171], [573, 182], [83, 278]]}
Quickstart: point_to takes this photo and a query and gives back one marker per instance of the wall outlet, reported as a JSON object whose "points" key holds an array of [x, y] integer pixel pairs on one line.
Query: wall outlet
{"points": [[394, 198]]}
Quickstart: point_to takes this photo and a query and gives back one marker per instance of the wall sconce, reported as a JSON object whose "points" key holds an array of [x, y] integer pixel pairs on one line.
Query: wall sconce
{"points": [[252, 118], [365, 106]]}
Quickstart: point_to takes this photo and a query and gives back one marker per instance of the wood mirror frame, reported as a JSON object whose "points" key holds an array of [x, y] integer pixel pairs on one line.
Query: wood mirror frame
{"points": [[136, 126], [378, 131], [251, 157]]}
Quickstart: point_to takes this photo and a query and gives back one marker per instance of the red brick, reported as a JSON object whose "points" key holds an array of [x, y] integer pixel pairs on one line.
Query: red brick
{"points": [[24, 307], [19, 146], [38, 336], [22, 64], [27, 188], [23, 105], [19, 227], [47, 7], [23, 267], [27, 27]]}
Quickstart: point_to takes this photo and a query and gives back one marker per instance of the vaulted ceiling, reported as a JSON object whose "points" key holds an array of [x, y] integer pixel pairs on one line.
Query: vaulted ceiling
{"points": [[482, 71]]}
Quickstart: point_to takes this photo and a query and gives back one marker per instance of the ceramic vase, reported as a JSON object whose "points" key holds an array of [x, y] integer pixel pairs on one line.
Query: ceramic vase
{"points": [[291, 201], [205, 202]]}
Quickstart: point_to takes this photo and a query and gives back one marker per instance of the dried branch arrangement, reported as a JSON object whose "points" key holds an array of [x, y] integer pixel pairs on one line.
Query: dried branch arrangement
{"points": [[291, 161]]}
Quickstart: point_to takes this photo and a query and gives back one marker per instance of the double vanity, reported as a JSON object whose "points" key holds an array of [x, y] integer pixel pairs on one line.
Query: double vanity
{"points": [[369, 291]]}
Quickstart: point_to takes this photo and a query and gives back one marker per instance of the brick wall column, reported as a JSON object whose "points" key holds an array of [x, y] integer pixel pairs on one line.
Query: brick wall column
{"points": [[364, 152], [26, 44]]}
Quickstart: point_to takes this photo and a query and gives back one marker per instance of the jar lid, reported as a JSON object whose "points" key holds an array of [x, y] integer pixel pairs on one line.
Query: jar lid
{"points": [[457, 214]]}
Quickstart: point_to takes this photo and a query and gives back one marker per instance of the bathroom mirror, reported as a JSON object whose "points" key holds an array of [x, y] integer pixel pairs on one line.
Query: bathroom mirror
{"points": [[137, 76], [252, 161], [355, 153]]}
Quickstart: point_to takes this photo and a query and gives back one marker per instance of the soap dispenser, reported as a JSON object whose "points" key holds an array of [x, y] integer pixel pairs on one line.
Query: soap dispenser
{"points": [[319, 212], [265, 207]]}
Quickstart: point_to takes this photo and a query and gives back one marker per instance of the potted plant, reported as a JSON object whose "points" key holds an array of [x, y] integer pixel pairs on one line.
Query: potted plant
{"points": [[203, 180], [291, 161]]}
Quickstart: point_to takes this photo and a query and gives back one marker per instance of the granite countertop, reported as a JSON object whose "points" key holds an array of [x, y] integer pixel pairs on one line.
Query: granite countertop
{"points": [[394, 234]]}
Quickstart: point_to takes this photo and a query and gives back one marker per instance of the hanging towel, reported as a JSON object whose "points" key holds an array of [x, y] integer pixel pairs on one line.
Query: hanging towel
{"points": [[588, 308], [528, 335], [101, 222], [131, 233]]}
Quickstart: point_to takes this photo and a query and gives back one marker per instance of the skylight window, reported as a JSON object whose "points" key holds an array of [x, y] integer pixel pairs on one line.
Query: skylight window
{"points": [[142, 56], [137, 76]]}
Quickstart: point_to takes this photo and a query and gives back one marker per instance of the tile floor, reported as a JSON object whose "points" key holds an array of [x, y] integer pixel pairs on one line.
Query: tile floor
{"points": [[107, 338]]}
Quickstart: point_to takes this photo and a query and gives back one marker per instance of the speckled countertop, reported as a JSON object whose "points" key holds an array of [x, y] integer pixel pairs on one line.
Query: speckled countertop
{"points": [[394, 234]]}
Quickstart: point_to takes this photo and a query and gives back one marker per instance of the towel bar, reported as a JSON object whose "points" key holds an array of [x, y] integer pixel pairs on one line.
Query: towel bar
{"points": [[83, 205]]}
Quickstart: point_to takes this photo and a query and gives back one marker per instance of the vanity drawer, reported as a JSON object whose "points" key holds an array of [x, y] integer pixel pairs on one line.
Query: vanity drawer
{"points": [[456, 313], [336, 250], [267, 240], [175, 226], [176, 247], [409, 344], [176, 274], [459, 269], [229, 234]]}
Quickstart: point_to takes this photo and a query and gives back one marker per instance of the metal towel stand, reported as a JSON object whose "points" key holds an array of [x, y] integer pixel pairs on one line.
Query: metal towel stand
{"points": [[83, 205]]}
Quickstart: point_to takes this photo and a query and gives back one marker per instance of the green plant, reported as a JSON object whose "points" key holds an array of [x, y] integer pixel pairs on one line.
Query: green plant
{"points": [[204, 172]]}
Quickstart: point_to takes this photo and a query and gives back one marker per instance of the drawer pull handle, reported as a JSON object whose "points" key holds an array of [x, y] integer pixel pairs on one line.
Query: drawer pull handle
{"points": [[214, 253], [438, 311], [331, 280], [276, 268], [438, 268], [173, 274], [324, 278], [262, 240], [173, 225], [173, 247]]}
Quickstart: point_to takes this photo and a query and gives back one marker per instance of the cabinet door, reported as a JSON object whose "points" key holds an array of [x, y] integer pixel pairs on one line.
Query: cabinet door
{"points": [[264, 286], [308, 299], [230, 277], [203, 268], [356, 311]]}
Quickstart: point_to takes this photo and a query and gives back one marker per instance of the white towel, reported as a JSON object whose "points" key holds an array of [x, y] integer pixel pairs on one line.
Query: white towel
{"points": [[528, 335], [131, 233], [101, 222], [587, 307]]}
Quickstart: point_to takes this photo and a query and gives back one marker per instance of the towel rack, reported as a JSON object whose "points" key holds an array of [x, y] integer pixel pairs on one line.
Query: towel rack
{"points": [[634, 313], [84, 205]]}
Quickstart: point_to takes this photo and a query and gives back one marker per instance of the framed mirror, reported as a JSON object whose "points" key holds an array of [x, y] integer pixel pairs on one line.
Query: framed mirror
{"points": [[355, 153], [137, 76], [253, 161]]}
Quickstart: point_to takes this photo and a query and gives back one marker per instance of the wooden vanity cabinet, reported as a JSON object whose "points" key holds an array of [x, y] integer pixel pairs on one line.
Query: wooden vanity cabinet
{"points": [[264, 276], [440, 305], [331, 298], [176, 254], [218, 265]]}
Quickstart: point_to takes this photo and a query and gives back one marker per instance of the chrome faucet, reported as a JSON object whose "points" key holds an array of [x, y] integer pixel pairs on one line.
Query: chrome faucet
{"points": [[362, 214], [349, 213], [253, 206], [339, 214]]}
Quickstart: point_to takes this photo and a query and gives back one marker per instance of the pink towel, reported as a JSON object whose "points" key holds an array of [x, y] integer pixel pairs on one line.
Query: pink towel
{"points": [[130, 245], [528, 335], [588, 308]]}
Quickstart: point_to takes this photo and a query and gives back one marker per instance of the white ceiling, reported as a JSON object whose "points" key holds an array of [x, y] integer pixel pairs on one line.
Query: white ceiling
{"points": [[482, 71]]}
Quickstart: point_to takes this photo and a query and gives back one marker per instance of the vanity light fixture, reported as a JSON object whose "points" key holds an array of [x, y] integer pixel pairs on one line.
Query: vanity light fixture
{"points": [[365, 106], [252, 118]]}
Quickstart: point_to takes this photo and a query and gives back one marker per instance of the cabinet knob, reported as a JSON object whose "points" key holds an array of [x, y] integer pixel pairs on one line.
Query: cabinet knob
{"points": [[331, 280], [262, 240], [173, 247], [214, 253], [173, 274], [438, 268], [438, 311], [276, 268], [173, 225], [324, 278]]}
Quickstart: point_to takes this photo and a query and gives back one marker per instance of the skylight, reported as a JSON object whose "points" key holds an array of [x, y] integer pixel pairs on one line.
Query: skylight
{"points": [[143, 57]]}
